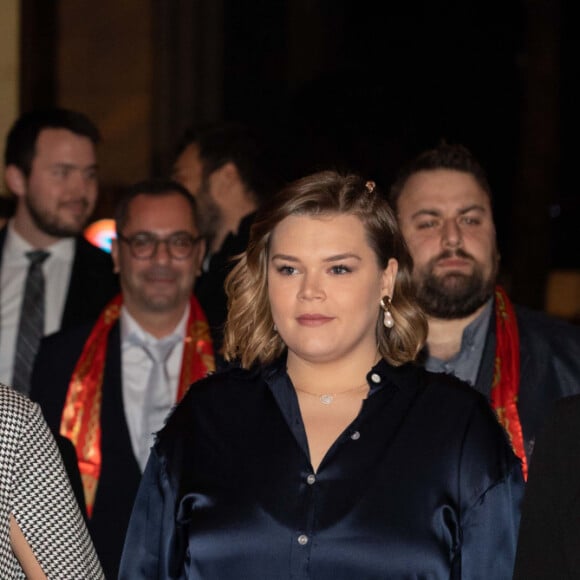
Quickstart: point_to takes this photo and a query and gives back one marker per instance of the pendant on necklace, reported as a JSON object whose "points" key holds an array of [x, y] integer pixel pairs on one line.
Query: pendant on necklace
{"points": [[326, 399]]}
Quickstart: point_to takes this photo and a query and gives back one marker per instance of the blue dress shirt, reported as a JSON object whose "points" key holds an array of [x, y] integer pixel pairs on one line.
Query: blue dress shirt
{"points": [[422, 484]]}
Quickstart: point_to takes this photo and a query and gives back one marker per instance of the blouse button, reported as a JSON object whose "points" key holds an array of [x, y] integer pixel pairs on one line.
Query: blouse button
{"points": [[311, 479], [355, 436], [303, 539], [375, 378]]}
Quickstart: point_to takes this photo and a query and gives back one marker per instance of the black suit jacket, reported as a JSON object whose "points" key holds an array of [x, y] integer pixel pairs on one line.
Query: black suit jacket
{"points": [[120, 474], [92, 282], [549, 540], [549, 367], [209, 287]]}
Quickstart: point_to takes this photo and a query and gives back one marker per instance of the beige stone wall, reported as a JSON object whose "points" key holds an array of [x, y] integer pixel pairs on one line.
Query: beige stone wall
{"points": [[9, 67]]}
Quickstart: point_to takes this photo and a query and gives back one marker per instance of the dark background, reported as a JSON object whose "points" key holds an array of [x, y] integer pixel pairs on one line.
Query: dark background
{"points": [[383, 81], [365, 86]]}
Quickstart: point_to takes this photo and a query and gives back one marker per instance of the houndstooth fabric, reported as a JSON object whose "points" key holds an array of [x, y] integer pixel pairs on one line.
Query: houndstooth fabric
{"points": [[34, 488]]}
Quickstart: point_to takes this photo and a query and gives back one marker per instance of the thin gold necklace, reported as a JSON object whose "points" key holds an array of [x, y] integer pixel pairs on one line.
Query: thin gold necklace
{"points": [[328, 398]]}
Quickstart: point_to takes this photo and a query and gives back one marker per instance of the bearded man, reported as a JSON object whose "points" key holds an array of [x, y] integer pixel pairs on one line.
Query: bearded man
{"points": [[521, 360], [222, 166], [50, 276]]}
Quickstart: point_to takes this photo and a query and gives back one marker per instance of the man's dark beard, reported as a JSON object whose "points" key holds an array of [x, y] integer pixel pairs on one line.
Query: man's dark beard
{"points": [[47, 224], [453, 295], [209, 212]]}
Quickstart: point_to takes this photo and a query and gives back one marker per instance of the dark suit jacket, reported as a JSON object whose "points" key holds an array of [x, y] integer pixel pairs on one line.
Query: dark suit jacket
{"points": [[549, 367], [549, 540], [120, 473], [92, 282], [209, 287]]}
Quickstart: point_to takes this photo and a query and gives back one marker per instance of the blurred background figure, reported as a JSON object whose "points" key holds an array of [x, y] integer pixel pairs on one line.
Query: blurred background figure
{"points": [[50, 276], [521, 360], [222, 167], [147, 346], [42, 532]]}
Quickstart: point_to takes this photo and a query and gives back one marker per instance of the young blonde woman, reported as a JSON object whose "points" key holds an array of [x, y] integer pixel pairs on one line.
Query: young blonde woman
{"points": [[324, 452]]}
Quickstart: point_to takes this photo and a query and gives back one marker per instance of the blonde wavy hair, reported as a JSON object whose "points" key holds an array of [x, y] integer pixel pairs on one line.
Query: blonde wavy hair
{"points": [[249, 332]]}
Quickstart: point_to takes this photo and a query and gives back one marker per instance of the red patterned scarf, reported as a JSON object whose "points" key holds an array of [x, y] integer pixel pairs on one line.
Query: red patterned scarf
{"points": [[506, 376], [81, 416]]}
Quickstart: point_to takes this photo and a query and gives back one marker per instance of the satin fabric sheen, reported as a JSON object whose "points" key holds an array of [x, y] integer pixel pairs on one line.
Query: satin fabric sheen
{"points": [[423, 484]]}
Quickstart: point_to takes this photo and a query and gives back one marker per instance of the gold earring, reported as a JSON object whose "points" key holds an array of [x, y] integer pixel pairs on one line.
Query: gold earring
{"points": [[388, 320]]}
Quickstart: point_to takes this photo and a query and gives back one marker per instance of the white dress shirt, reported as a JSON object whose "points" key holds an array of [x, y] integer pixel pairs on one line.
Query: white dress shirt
{"points": [[136, 367], [57, 271]]}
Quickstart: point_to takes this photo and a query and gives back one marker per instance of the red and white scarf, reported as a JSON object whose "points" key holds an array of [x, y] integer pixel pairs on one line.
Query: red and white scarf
{"points": [[81, 416]]}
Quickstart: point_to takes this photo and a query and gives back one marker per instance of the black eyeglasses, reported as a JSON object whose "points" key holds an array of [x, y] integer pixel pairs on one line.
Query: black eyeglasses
{"points": [[144, 245]]}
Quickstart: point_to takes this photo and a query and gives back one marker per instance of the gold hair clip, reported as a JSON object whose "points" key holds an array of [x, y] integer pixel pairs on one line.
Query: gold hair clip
{"points": [[370, 185]]}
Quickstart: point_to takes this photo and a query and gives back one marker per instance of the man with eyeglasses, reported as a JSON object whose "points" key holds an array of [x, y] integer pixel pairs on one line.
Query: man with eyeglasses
{"points": [[109, 386]]}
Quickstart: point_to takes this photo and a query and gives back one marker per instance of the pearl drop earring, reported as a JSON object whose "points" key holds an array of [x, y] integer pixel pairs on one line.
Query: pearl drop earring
{"points": [[388, 319]]}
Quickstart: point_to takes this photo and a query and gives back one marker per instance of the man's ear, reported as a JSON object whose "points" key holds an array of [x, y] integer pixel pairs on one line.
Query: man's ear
{"points": [[224, 179], [15, 180], [229, 172], [388, 278]]}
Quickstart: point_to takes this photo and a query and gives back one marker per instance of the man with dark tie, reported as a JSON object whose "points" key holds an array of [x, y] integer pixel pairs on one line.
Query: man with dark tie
{"points": [[50, 277]]}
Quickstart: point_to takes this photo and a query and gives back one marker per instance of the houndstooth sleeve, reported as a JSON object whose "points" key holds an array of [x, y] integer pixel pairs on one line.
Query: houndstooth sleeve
{"points": [[39, 496]]}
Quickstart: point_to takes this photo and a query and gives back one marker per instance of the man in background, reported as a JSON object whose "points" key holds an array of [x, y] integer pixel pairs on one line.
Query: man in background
{"points": [[521, 360], [108, 386], [50, 277], [222, 167]]}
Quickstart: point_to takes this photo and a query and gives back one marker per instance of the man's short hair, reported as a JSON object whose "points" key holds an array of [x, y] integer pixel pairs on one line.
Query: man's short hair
{"points": [[153, 188], [221, 143], [21, 141], [444, 156]]}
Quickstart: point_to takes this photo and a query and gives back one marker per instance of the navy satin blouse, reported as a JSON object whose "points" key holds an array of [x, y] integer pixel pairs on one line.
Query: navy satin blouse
{"points": [[422, 484]]}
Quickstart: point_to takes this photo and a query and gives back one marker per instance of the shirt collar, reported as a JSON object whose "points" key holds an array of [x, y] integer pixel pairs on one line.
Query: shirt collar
{"points": [[476, 328], [16, 246], [465, 363], [131, 330], [379, 376]]}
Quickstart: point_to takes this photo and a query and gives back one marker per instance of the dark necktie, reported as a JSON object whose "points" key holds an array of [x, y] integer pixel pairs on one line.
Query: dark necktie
{"points": [[31, 326]]}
